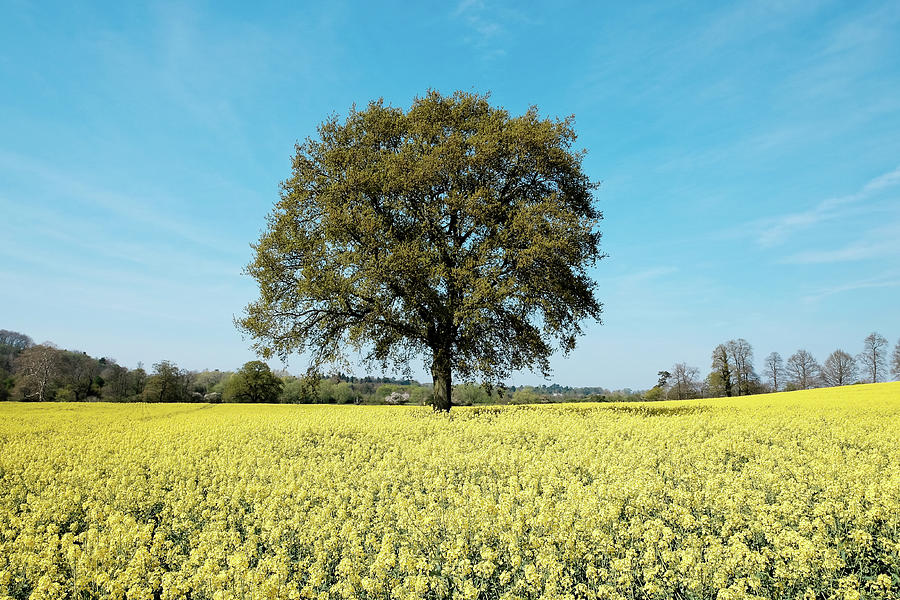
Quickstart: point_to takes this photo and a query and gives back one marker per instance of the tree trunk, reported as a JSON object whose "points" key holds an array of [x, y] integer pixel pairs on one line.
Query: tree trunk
{"points": [[441, 376]]}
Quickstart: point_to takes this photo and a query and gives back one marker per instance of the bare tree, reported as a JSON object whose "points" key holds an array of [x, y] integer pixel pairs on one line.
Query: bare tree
{"points": [[895, 361], [803, 370], [741, 354], [684, 384], [721, 366], [36, 367], [774, 369], [872, 357], [14, 339], [839, 369], [11, 344]]}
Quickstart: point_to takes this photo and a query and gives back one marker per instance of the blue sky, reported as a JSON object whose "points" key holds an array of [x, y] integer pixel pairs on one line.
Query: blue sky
{"points": [[749, 153]]}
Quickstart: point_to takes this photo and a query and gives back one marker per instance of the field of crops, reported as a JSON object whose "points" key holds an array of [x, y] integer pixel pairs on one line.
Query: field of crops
{"points": [[777, 496]]}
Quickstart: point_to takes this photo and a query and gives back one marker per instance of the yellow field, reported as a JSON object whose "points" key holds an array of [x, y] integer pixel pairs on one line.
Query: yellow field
{"points": [[778, 496]]}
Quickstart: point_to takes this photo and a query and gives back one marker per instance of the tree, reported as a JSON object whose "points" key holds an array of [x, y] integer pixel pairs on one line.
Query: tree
{"points": [[36, 367], [684, 383], [895, 361], [839, 369], [525, 395], [653, 394], [871, 359], [205, 382], [14, 339], [79, 373], [136, 382], [741, 354], [335, 391], [661, 389], [803, 370], [254, 382], [298, 390], [722, 367], [774, 369], [451, 231], [663, 380], [11, 344], [167, 384], [7, 382], [115, 388]]}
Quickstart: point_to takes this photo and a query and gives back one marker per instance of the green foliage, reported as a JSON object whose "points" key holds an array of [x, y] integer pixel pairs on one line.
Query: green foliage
{"points": [[719, 380], [718, 384], [451, 230], [254, 382], [386, 389], [468, 394], [655, 393], [6, 385], [206, 382], [167, 384], [330, 392], [115, 383], [12, 343], [80, 374], [294, 392], [526, 395], [65, 394]]}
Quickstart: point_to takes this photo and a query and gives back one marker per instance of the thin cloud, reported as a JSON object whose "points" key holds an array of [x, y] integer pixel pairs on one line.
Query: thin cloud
{"points": [[488, 25], [866, 284], [774, 231], [852, 252], [122, 205], [876, 244], [646, 275]]}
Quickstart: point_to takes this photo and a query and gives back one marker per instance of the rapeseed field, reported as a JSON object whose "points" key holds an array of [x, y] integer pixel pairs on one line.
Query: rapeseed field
{"points": [[792, 495]]}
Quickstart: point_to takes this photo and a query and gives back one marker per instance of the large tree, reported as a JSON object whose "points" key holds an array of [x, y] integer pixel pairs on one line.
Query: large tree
{"points": [[684, 384], [115, 382], [36, 368], [872, 358], [839, 369], [721, 383], [741, 354], [167, 384], [254, 382], [803, 370], [450, 231], [79, 374]]}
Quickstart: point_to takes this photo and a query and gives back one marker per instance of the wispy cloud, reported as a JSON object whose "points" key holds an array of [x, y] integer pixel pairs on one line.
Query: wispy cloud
{"points": [[881, 243], [646, 275], [889, 281], [136, 210], [862, 250], [489, 25], [775, 230]]}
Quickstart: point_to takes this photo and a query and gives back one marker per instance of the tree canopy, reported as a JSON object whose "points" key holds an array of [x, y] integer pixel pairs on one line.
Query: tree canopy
{"points": [[254, 382], [450, 231]]}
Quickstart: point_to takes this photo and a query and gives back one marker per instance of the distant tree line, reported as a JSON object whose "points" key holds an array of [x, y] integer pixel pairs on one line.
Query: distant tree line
{"points": [[32, 372], [733, 372]]}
